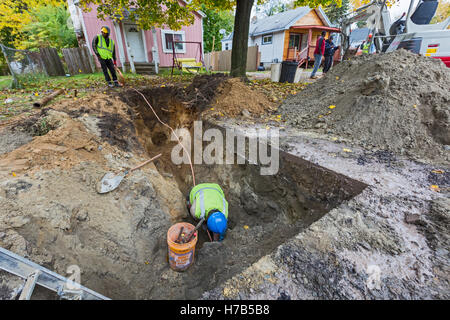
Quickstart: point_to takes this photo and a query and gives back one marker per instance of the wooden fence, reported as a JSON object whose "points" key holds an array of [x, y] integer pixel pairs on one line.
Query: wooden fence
{"points": [[78, 60], [221, 60], [51, 62]]}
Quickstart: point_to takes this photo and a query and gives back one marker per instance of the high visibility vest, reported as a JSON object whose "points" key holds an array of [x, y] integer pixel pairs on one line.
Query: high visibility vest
{"points": [[105, 52], [208, 197], [365, 48]]}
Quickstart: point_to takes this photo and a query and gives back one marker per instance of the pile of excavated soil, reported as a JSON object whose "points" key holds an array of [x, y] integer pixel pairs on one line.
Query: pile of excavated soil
{"points": [[398, 101], [67, 134], [233, 96]]}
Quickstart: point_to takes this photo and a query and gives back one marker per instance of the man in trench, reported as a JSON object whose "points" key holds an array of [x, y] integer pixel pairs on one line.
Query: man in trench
{"points": [[105, 50], [207, 201]]}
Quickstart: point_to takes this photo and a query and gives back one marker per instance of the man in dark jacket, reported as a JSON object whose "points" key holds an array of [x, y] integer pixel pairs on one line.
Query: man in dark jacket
{"points": [[318, 53], [105, 50], [330, 49]]}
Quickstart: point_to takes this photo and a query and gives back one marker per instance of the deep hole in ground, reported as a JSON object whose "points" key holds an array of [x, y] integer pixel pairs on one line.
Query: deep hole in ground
{"points": [[275, 208], [119, 240]]}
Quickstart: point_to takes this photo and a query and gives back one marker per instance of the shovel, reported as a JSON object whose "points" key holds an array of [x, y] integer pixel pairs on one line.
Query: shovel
{"points": [[111, 181], [121, 77]]}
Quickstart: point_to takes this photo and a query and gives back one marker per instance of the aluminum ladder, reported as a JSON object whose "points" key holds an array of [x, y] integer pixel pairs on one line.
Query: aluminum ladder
{"points": [[36, 274]]}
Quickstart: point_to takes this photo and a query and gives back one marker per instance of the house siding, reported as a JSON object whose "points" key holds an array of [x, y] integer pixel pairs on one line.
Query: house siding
{"points": [[272, 51], [311, 19], [192, 33]]}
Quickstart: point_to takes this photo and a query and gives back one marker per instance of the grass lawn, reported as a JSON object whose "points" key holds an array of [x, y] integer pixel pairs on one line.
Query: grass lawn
{"points": [[35, 87], [5, 81]]}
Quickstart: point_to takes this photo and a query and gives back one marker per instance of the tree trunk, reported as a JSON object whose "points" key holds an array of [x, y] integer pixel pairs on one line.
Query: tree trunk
{"points": [[240, 38]]}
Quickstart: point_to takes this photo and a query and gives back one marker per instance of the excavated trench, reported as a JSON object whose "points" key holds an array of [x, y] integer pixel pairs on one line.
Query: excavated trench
{"points": [[121, 247], [264, 211]]}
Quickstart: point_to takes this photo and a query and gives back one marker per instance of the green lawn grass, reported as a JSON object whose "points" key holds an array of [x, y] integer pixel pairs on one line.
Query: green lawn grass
{"points": [[5, 82]]}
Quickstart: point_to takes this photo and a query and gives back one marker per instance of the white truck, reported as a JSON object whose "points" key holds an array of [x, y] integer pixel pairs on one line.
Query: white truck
{"points": [[414, 33]]}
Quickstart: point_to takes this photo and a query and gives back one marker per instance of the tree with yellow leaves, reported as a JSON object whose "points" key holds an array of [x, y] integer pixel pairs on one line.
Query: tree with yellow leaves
{"points": [[15, 15], [359, 3], [442, 12]]}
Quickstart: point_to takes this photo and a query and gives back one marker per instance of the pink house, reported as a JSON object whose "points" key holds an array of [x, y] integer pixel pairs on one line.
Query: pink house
{"points": [[145, 46]]}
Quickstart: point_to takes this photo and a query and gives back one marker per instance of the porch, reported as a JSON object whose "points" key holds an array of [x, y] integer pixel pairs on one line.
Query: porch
{"points": [[300, 43]]}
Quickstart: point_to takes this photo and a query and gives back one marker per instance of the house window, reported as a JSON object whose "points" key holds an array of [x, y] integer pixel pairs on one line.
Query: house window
{"points": [[294, 41], [226, 46], [267, 39], [168, 37]]}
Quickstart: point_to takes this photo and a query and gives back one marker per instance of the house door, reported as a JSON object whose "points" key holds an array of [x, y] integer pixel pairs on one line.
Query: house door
{"points": [[294, 45], [136, 43]]}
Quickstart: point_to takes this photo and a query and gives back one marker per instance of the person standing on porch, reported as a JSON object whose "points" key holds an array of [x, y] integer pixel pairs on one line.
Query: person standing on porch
{"points": [[318, 53], [105, 50]]}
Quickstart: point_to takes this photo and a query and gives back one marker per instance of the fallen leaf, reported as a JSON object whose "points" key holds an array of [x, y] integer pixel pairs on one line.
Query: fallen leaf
{"points": [[320, 116], [337, 78], [246, 227], [14, 174], [435, 188], [438, 171], [346, 150], [332, 107]]}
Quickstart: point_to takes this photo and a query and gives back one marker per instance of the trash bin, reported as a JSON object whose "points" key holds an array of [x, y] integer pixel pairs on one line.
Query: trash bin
{"points": [[275, 71], [288, 69]]}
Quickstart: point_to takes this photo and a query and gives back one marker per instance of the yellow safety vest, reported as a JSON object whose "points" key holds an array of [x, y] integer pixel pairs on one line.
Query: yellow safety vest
{"points": [[105, 52], [207, 197], [365, 48]]}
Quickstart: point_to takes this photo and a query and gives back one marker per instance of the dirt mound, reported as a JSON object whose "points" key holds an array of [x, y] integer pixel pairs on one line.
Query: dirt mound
{"points": [[398, 101], [203, 90], [233, 96], [69, 133]]}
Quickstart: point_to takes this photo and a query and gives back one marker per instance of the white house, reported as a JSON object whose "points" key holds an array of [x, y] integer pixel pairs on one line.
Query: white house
{"points": [[282, 36]]}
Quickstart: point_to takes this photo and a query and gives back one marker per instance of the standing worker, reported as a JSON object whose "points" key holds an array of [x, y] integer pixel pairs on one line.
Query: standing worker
{"points": [[318, 53], [105, 50], [207, 201], [330, 49], [367, 46]]}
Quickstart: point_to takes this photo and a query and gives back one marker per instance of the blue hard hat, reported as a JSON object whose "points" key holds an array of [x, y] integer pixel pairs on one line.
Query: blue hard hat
{"points": [[217, 222]]}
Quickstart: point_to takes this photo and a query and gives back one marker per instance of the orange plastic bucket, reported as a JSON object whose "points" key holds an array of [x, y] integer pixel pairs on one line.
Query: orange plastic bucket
{"points": [[181, 255]]}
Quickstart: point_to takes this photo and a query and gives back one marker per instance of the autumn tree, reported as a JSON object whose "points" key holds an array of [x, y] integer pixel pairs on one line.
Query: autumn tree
{"points": [[355, 4], [335, 13], [272, 7], [49, 28], [15, 15], [214, 21], [442, 12]]}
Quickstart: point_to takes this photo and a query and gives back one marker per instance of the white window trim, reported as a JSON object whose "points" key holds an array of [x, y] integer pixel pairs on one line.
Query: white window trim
{"points": [[267, 35], [163, 40]]}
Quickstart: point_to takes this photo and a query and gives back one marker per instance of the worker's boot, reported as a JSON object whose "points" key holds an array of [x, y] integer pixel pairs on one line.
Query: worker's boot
{"points": [[110, 84], [117, 84]]}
